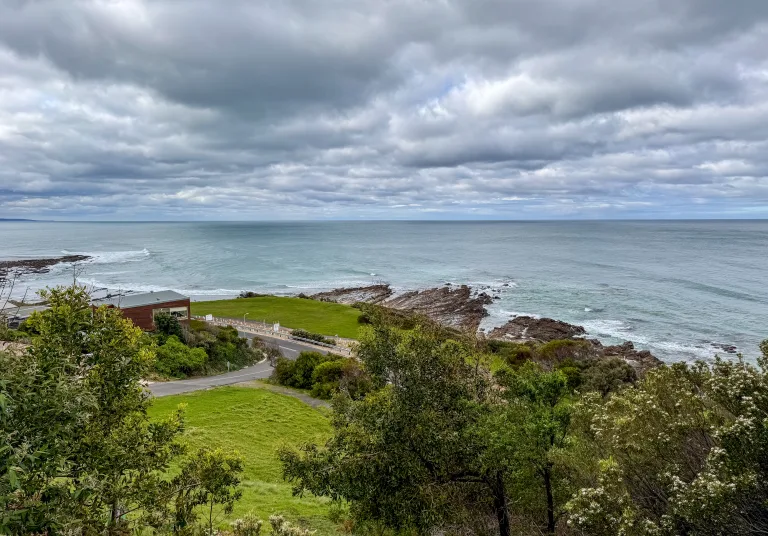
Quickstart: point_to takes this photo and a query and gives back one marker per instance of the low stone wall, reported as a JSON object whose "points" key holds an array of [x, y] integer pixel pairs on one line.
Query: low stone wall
{"points": [[343, 346]]}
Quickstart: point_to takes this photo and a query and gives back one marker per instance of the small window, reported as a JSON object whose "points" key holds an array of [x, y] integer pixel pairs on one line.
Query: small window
{"points": [[179, 312]]}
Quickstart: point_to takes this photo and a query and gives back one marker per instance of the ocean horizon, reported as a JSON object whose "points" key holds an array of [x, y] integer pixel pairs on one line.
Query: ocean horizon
{"points": [[675, 287]]}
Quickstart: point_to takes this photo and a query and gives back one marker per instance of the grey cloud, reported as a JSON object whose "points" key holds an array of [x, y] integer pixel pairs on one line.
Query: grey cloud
{"points": [[202, 109]]}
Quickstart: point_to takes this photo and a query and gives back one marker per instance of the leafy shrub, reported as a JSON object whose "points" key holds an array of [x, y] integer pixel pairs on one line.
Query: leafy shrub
{"points": [[573, 371], [10, 335], [298, 373], [222, 344], [176, 359], [607, 375], [324, 391], [303, 334], [514, 354], [384, 316], [167, 324], [280, 527], [283, 371], [560, 350], [248, 525], [328, 371], [28, 328], [355, 381], [324, 375]]}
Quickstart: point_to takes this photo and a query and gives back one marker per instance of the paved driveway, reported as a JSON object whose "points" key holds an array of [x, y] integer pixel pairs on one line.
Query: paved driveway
{"points": [[288, 348]]}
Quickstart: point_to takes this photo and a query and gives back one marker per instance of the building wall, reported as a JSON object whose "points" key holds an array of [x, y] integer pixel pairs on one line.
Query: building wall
{"points": [[143, 317]]}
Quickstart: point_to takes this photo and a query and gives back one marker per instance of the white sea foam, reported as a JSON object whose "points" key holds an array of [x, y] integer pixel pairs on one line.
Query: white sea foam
{"points": [[112, 257], [506, 313], [617, 329], [141, 287]]}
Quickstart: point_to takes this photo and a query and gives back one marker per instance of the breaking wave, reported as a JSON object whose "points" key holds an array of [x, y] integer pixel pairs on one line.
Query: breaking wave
{"points": [[617, 329], [112, 257]]}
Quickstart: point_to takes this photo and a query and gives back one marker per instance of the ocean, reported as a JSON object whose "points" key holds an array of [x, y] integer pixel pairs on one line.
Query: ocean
{"points": [[672, 287]]}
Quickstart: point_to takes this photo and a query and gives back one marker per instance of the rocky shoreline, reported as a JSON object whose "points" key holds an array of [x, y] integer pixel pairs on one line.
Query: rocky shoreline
{"points": [[455, 307], [542, 330], [462, 308], [35, 266]]}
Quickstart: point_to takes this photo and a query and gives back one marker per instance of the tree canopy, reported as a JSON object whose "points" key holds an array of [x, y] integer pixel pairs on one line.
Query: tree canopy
{"points": [[79, 454]]}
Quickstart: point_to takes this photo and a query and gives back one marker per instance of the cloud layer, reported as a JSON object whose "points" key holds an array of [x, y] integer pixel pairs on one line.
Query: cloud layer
{"points": [[298, 109]]}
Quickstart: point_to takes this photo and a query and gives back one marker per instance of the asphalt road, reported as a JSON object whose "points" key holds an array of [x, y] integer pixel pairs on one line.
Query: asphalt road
{"points": [[288, 348]]}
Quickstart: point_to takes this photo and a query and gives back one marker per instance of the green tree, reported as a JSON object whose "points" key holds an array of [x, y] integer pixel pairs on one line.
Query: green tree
{"points": [[526, 433], [168, 325], [210, 478], [78, 450], [407, 456]]}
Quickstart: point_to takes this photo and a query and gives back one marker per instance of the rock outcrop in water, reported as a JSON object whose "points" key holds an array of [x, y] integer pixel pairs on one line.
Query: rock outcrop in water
{"points": [[542, 330], [641, 360], [35, 266], [527, 328], [455, 307], [371, 294], [462, 308]]}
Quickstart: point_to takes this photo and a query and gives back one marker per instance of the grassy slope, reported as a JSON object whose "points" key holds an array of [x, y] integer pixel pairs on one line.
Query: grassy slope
{"points": [[315, 316], [256, 422]]}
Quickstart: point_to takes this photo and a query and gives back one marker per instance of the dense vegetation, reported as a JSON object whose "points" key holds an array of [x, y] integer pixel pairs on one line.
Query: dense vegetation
{"points": [[319, 317], [79, 454], [431, 432], [323, 375], [199, 348], [550, 442]]}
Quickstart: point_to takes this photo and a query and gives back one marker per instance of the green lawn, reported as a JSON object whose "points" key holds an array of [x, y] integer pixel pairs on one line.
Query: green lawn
{"points": [[315, 316], [255, 422]]}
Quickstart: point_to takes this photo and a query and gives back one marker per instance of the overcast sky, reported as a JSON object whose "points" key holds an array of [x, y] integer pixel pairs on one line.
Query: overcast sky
{"points": [[383, 109]]}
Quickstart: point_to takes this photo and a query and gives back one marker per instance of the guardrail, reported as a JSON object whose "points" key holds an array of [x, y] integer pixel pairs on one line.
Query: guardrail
{"points": [[317, 343], [260, 328]]}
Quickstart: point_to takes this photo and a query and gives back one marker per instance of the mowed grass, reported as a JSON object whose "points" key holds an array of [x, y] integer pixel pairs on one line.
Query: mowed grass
{"points": [[256, 422], [315, 316]]}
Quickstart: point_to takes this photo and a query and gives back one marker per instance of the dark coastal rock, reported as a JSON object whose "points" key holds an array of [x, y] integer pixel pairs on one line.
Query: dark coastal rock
{"points": [[641, 360], [460, 308], [35, 266], [727, 348], [251, 294], [527, 328], [370, 294], [542, 330], [451, 307]]}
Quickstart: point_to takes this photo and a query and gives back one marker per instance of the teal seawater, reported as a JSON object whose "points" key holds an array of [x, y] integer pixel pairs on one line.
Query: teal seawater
{"points": [[674, 287]]}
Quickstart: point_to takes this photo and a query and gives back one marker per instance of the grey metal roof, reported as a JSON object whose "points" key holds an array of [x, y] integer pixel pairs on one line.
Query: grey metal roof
{"points": [[140, 300]]}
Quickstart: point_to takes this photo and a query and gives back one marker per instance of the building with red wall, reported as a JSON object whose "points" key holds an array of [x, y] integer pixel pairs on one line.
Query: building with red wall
{"points": [[142, 308]]}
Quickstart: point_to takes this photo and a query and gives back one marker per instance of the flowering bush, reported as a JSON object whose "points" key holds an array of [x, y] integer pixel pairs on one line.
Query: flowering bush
{"points": [[685, 452]]}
